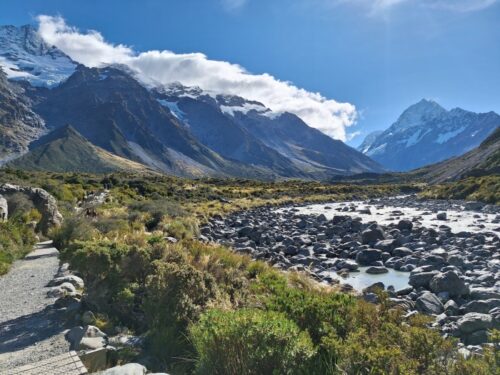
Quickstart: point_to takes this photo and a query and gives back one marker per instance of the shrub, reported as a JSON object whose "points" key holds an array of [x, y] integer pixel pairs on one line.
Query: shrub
{"points": [[16, 240], [71, 229], [249, 341]]}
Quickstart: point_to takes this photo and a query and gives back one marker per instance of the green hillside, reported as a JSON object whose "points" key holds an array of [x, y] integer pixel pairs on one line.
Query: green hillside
{"points": [[65, 150]]}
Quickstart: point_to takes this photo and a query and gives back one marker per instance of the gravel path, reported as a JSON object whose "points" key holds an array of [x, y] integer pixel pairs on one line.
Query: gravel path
{"points": [[30, 329]]}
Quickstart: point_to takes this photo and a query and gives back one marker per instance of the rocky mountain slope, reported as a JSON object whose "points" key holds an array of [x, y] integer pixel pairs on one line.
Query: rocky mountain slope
{"points": [[19, 125], [251, 133], [173, 129], [483, 160], [65, 150], [427, 133]]}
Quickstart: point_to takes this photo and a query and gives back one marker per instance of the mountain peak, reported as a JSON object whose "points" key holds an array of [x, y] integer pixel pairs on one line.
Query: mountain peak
{"points": [[24, 55], [424, 110]]}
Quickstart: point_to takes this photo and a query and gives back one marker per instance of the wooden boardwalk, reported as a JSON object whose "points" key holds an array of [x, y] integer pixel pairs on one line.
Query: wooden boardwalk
{"points": [[63, 364]]}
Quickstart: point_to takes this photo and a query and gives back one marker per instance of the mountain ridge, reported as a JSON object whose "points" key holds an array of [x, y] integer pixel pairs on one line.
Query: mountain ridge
{"points": [[426, 133], [66, 150]]}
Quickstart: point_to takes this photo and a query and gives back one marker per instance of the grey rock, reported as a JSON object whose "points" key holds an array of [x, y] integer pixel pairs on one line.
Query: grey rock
{"points": [[449, 282], [428, 303], [372, 235], [368, 256], [421, 279], [473, 322], [376, 270], [441, 216]]}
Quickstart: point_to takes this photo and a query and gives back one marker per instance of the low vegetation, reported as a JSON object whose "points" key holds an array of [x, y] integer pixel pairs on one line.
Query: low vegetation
{"points": [[17, 235], [204, 309], [484, 189]]}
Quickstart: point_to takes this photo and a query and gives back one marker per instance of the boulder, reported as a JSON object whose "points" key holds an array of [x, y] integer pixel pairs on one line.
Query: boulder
{"points": [[401, 252], [128, 369], [448, 282], [72, 279], [482, 306], [376, 270], [428, 303], [86, 338], [386, 245], [421, 279], [45, 203], [441, 216], [368, 256], [65, 289], [473, 322], [405, 225], [372, 235]]}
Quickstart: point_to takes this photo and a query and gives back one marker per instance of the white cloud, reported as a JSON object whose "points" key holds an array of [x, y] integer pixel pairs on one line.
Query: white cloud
{"points": [[351, 136], [195, 69]]}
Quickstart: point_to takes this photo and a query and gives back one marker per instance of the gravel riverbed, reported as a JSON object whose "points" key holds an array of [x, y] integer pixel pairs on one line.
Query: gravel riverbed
{"points": [[445, 255]]}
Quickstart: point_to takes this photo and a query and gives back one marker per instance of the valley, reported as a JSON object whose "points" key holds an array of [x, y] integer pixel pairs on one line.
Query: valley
{"points": [[151, 225]]}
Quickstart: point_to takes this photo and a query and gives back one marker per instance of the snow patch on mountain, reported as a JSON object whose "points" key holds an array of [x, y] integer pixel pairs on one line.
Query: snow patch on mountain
{"points": [[445, 137], [244, 108], [24, 55], [174, 108]]}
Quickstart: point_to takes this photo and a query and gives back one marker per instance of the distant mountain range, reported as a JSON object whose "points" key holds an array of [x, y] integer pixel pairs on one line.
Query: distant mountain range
{"points": [[426, 133], [174, 129]]}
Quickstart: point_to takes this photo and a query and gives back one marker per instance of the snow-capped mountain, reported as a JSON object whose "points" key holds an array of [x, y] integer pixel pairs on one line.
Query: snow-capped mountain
{"points": [[427, 133], [250, 132], [24, 55], [175, 129]]}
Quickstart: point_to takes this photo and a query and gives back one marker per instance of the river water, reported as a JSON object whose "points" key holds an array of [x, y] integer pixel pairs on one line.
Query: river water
{"points": [[457, 219]]}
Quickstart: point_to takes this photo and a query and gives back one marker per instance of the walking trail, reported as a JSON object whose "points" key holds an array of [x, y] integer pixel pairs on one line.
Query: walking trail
{"points": [[31, 330]]}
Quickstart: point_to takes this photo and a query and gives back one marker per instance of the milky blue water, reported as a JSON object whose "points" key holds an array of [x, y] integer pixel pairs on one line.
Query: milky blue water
{"points": [[360, 280]]}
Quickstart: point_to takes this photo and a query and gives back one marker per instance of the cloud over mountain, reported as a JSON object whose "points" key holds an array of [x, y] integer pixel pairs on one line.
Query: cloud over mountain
{"points": [[195, 69]]}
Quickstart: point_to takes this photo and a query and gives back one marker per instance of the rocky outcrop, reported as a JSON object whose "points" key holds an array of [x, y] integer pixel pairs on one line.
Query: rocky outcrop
{"points": [[4, 209], [45, 203]]}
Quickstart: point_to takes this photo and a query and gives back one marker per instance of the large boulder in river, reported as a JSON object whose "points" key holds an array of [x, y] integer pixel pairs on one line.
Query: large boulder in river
{"points": [[401, 252], [448, 282], [368, 256], [376, 270], [386, 245], [405, 225], [428, 303], [372, 234]]}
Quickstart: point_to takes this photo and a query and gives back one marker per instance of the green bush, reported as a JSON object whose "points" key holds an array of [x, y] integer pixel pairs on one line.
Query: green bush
{"points": [[250, 341], [72, 229], [16, 240]]}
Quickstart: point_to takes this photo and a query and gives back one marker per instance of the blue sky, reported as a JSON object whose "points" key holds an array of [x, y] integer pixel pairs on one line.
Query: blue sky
{"points": [[380, 55]]}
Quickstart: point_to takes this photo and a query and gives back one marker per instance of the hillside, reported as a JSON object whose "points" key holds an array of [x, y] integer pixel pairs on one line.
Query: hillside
{"points": [[483, 160], [65, 150]]}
